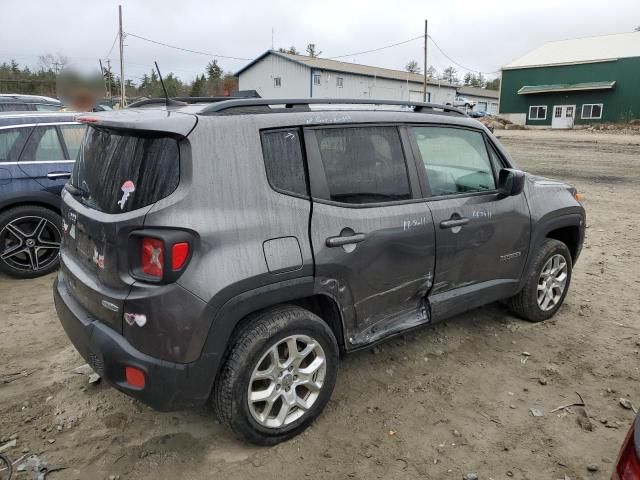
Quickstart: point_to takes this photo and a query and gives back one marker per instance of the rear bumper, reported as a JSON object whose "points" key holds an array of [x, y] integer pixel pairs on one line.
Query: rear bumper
{"points": [[168, 385]]}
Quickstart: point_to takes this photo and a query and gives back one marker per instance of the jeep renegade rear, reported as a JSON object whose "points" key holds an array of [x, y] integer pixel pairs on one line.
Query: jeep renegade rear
{"points": [[230, 253]]}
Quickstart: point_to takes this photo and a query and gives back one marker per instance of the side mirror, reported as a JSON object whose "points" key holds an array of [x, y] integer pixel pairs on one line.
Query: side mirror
{"points": [[510, 182]]}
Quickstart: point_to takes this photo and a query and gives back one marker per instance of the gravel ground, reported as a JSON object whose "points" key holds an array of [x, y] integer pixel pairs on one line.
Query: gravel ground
{"points": [[437, 404]]}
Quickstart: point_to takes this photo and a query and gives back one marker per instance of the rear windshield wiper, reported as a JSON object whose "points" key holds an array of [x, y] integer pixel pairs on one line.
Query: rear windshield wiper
{"points": [[76, 191]]}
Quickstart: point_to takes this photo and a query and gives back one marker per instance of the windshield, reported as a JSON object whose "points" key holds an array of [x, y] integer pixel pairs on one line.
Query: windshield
{"points": [[118, 172]]}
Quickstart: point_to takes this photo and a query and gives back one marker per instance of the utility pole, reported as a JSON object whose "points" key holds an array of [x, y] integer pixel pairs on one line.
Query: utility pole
{"points": [[424, 84], [122, 98]]}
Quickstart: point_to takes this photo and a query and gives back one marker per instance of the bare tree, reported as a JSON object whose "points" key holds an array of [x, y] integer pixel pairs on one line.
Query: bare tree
{"points": [[312, 50], [450, 74], [413, 67], [52, 63]]}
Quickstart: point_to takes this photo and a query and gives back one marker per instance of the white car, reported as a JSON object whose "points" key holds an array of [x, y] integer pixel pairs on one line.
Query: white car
{"points": [[462, 102]]}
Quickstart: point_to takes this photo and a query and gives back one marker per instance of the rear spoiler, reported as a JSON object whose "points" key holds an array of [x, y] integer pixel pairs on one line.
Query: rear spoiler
{"points": [[149, 120]]}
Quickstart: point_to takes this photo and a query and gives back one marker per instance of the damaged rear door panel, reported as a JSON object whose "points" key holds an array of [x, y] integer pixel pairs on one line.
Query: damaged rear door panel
{"points": [[373, 237]]}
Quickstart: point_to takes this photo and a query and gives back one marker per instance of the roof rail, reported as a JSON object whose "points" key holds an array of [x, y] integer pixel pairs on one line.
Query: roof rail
{"points": [[262, 105], [177, 101]]}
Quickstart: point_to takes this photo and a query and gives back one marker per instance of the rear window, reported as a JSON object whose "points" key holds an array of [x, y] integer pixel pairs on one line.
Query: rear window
{"points": [[118, 172]]}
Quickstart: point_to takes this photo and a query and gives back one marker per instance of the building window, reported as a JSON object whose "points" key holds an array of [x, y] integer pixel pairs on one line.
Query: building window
{"points": [[277, 82], [316, 79], [591, 111], [339, 82], [538, 112]]}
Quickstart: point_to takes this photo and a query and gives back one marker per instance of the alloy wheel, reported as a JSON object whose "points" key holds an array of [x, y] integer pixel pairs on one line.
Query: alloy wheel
{"points": [[287, 381], [29, 243], [552, 282]]}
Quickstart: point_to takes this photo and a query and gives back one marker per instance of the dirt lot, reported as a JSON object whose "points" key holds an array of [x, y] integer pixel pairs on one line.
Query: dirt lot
{"points": [[451, 399]]}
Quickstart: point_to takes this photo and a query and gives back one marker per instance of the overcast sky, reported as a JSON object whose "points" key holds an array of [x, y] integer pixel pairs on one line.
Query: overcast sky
{"points": [[480, 35]]}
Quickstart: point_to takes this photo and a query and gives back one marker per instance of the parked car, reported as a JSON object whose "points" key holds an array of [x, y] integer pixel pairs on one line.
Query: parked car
{"points": [[478, 114], [462, 102], [29, 103], [628, 464], [229, 253], [37, 152]]}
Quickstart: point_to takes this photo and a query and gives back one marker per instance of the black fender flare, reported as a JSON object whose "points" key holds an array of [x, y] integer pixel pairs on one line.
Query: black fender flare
{"points": [[227, 317], [542, 229]]}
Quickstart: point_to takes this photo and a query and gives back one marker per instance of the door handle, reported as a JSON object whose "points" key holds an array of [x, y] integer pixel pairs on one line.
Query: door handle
{"points": [[345, 240], [58, 175], [456, 222]]}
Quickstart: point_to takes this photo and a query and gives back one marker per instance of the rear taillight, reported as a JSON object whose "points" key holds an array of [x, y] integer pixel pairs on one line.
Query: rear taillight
{"points": [[160, 255], [179, 255], [628, 467], [152, 257]]}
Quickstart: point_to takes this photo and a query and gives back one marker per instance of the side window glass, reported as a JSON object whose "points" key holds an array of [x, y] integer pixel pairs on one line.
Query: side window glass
{"points": [[72, 135], [456, 160], [284, 162], [11, 143], [43, 107], [43, 145], [364, 164]]}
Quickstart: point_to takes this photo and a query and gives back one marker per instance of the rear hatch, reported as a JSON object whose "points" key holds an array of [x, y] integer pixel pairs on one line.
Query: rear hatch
{"points": [[119, 175]]}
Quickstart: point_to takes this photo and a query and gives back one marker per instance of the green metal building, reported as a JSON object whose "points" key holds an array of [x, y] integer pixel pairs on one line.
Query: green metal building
{"points": [[570, 82]]}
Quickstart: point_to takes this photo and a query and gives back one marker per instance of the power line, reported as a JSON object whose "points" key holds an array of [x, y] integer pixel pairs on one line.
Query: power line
{"points": [[456, 63], [112, 45], [186, 49], [376, 49]]}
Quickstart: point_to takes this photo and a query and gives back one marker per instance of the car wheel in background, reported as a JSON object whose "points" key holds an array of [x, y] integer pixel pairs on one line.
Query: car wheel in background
{"points": [[29, 241], [278, 376], [547, 283]]}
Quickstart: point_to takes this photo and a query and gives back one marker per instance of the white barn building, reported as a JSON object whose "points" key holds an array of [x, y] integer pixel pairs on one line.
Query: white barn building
{"points": [[282, 75]]}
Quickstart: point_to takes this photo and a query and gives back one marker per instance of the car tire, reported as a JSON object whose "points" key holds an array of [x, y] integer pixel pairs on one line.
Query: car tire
{"points": [[35, 251], [256, 365], [541, 297]]}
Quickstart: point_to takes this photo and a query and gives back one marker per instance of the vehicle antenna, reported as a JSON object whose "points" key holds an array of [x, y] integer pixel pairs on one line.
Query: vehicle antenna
{"points": [[166, 95]]}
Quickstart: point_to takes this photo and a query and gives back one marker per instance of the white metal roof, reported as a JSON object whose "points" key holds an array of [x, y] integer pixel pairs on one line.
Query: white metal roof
{"points": [[581, 50], [346, 67]]}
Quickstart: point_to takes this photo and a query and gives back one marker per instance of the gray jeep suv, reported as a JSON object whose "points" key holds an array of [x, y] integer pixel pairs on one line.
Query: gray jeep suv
{"points": [[231, 252]]}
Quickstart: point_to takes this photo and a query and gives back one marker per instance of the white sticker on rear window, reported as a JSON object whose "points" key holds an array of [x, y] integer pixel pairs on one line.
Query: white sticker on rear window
{"points": [[127, 188]]}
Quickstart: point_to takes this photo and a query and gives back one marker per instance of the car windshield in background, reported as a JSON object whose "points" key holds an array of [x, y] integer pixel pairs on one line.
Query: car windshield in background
{"points": [[117, 172]]}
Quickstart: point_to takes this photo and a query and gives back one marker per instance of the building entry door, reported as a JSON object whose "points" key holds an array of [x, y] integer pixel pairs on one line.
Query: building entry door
{"points": [[563, 116]]}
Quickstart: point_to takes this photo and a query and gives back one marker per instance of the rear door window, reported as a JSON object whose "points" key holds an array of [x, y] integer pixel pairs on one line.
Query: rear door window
{"points": [[12, 142], [284, 162], [43, 146], [364, 164], [118, 172], [455, 160]]}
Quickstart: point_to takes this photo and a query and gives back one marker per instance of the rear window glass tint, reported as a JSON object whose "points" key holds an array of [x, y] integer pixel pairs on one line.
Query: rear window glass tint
{"points": [[364, 164], [119, 172], [284, 162]]}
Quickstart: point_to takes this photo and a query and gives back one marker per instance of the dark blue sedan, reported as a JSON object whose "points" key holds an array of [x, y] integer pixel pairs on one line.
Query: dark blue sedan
{"points": [[37, 152]]}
